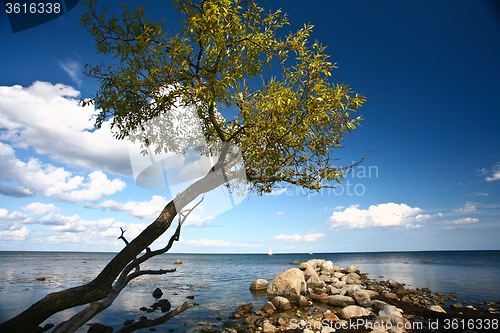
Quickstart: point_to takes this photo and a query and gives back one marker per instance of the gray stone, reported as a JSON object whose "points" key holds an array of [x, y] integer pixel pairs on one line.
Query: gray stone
{"points": [[352, 311], [290, 284], [436, 308], [281, 303], [269, 308], [315, 282], [268, 328], [259, 284], [352, 269], [362, 298], [302, 301], [377, 304], [390, 310], [341, 301]]}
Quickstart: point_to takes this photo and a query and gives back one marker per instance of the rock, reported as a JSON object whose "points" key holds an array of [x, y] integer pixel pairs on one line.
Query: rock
{"points": [[391, 296], [390, 310], [99, 328], [302, 301], [295, 263], [436, 308], [457, 306], [377, 304], [327, 266], [338, 275], [128, 322], [309, 272], [234, 325], [362, 298], [178, 262], [393, 322], [281, 303], [39, 329], [164, 305], [349, 290], [142, 318], [143, 308], [352, 311], [190, 297], [303, 266], [339, 284], [268, 328], [351, 279], [157, 293], [332, 290], [328, 315], [341, 301], [290, 284], [250, 320], [315, 282], [323, 298], [269, 308], [394, 284], [47, 327], [352, 269], [242, 311], [259, 284], [316, 263]]}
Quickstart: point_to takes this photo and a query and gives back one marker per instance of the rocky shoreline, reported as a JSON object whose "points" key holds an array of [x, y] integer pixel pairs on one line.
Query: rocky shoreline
{"points": [[321, 297]]}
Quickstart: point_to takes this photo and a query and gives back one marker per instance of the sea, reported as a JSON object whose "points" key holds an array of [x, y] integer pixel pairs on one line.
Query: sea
{"points": [[220, 282]]}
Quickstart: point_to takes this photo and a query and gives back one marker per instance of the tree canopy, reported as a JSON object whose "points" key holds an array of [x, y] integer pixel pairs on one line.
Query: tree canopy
{"points": [[229, 60]]}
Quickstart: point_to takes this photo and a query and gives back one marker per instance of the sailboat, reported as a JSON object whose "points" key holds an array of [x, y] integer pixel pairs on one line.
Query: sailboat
{"points": [[270, 252]]}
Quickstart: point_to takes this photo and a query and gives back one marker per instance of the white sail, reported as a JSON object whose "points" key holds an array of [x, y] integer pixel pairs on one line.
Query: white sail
{"points": [[270, 252]]}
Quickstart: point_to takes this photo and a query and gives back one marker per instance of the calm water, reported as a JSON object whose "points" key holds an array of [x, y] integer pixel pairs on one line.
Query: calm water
{"points": [[220, 282]]}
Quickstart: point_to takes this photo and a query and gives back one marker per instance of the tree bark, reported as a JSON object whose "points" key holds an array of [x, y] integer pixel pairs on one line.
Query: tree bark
{"points": [[102, 285]]}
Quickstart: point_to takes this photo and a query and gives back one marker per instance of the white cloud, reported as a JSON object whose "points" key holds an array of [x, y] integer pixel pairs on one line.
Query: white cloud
{"points": [[144, 210], [49, 119], [382, 215], [74, 70], [481, 194], [468, 220], [470, 207], [14, 216], [414, 226], [38, 208], [16, 234], [309, 237], [279, 213], [33, 177]]}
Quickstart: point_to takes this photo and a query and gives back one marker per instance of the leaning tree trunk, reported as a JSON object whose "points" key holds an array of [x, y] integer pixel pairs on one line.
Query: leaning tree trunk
{"points": [[101, 286]]}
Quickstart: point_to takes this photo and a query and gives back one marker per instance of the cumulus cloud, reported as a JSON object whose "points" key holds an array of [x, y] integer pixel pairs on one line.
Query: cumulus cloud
{"points": [[308, 237], [49, 119], [382, 215], [470, 207], [279, 213], [5, 216], [15, 233], [468, 220], [38, 208], [33, 177]]}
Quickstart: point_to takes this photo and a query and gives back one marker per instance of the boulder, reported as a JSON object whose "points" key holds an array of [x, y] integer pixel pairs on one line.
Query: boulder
{"points": [[315, 282], [302, 301], [332, 290], [377, 304], [259, 284], [352, 269], [164, 305], [269, 308], [328, 315], [267, 327], [242, 311], [394, 284], [309, 272], [303, 266], [99, 328], [340, 301], [290, 284], [157, 293], [316, 263], [390, 310], [338, 275], [281, 303], [436, 308], [351, 279], [350, 289], [295, 263], [327, 266], [352, 311], [323, 298], [362, 298], [234, 325], [393, 322], [339, 284], [178, 262]]}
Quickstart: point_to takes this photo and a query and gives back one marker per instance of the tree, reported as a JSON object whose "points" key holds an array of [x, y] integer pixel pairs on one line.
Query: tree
{"points": [[229, 59]]}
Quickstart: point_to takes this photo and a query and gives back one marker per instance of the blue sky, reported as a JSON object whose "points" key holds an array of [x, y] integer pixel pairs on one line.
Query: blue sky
{"points": [[431, 76]]}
